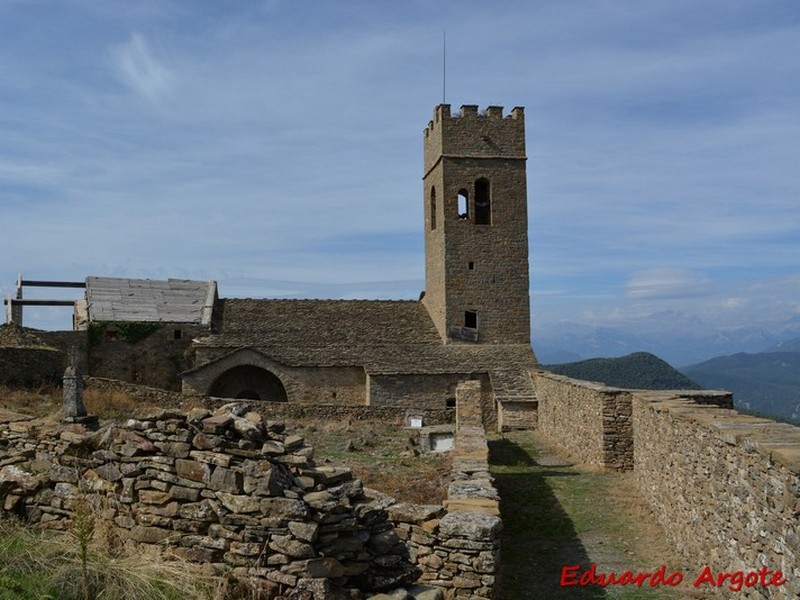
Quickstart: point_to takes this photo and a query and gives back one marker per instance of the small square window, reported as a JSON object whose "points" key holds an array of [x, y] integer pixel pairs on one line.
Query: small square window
{"points": [[471, 266], [471, 319], [177, 334]]}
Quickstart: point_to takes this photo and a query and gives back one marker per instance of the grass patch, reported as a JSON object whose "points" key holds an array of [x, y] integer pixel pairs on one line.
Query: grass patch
{"points": [[556, 515], [42, 401], [39, 565]]}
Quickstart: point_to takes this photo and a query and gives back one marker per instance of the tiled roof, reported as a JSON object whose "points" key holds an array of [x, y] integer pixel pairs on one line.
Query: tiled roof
{"points": [[147, 300], [381, 336]]}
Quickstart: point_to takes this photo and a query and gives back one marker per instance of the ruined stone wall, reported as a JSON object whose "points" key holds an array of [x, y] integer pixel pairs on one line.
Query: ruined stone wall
{"points": [[725, 486], [430, 392], [277, 410], [233, 490], [116, 352], [590, 421], [143, 393], [72, 343], [457, 545], [222, 488], [31, 366]]}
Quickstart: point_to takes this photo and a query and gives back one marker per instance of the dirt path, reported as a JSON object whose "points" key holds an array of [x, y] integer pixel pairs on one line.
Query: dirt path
{"points": [[557, 515]]}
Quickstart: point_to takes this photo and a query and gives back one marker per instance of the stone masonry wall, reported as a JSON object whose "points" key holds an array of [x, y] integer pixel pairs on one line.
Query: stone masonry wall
{"points": [[473, 266], [156, 360], [725, 486], [309, 385], [590, 421], [223, 488], [457, 546], [277, 410], [419, 391], [31, 366]]}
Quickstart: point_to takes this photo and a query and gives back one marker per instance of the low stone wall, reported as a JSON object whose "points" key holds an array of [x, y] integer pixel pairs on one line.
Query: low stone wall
{"points": [[222, 489], [725, 486], [457, 546], [590, 421], [276, 410], [142, 393]]}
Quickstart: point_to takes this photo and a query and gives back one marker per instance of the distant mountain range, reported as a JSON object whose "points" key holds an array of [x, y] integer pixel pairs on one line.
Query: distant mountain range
{"points": [[765, 383], [677, 338], [640, 370]]}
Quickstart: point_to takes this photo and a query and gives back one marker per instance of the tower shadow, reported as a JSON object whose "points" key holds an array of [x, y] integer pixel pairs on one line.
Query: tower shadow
{"points": [[539, 538]]}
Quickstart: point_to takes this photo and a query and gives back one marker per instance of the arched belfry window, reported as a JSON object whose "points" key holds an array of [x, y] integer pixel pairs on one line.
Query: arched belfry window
{"points": [[433, 208], [463, 205], [483, 202]]}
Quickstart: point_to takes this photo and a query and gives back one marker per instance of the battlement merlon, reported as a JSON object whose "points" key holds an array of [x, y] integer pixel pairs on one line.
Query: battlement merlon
{"points": [[474, 134]]}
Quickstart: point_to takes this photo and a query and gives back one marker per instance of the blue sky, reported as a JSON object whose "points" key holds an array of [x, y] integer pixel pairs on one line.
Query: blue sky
{"points": [[276, 147]]}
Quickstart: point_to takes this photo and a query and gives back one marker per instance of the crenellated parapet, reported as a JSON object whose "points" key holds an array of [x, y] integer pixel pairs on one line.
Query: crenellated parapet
{"points": [[474, 133], [443, 111]]}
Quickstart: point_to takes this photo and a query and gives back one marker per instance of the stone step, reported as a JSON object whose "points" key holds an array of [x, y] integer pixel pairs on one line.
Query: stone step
{"points": [[516, 385]]}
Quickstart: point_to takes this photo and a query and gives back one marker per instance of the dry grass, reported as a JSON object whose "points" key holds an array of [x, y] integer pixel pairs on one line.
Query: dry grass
{"points": [[40, 402], [36, 564], [114, 405], [384, 456], [48, 401]]}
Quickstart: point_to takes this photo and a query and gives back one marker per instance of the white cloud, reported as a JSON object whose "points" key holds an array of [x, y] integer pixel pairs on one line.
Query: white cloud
{"points": [[667, 282], [140, 70]]}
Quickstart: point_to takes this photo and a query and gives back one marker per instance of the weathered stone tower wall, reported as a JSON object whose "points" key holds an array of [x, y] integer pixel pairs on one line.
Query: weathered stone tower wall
{"points": [[476, 246]]}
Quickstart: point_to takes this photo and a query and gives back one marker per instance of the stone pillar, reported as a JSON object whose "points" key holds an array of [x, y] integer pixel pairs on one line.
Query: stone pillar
{"points": [[469, 412], [74, 409], [73, 393]]}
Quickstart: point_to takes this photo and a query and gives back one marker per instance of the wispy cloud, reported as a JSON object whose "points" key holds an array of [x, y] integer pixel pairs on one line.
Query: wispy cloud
{"points": [[249, 141], [667, 283], [138, 68]]}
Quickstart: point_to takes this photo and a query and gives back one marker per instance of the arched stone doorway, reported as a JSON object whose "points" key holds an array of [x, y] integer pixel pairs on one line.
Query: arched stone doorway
{"points": [[248, 382]]}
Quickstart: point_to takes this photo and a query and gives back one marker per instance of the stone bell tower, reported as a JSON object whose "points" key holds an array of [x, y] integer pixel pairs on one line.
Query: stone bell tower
{"points": [[476, 226]]}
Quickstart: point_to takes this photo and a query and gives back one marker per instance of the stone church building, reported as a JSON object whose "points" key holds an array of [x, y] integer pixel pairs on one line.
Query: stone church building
{"points": [[472, 321]]}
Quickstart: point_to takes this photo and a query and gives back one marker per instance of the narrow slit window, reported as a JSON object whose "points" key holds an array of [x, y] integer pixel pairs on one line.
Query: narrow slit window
{"points": [[433, 208], [483, 203], [463, 205], [471, 319]]}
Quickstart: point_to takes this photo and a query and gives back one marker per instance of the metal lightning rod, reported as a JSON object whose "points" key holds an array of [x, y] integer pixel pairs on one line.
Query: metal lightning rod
{"points": [[444, 65]]}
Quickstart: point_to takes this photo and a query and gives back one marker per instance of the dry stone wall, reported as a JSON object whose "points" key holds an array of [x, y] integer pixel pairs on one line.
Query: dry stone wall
{"points": [[223, 488], [590, 421], [725, 486], [277, 410], [457, 545], [231, 489]]}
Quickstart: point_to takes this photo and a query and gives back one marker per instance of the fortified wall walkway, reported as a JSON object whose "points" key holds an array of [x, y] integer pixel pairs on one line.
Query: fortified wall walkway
{"points": [[557, 515]]}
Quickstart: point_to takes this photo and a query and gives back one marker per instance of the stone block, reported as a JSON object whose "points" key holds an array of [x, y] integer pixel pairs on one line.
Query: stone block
{"points": [[192, 470]]}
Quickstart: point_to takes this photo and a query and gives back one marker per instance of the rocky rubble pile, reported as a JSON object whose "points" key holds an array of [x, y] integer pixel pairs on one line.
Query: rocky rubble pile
{"points": [[223, 488]]}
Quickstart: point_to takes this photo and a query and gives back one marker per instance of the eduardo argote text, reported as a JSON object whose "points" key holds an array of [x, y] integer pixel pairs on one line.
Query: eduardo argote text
{"points": [[734, 581]]}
